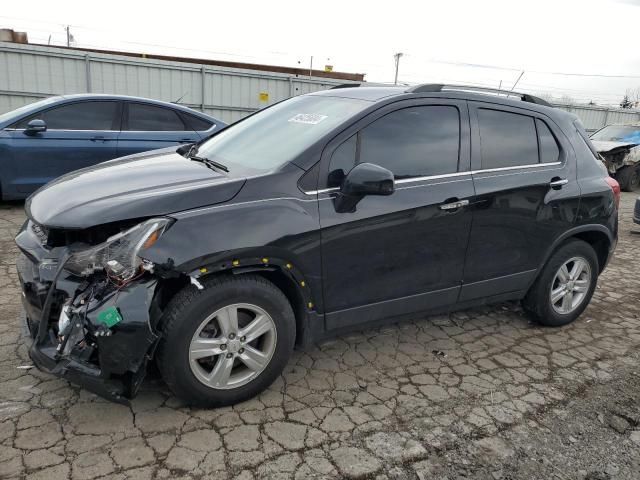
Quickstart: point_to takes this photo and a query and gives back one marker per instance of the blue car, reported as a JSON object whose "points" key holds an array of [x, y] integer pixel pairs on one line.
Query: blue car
{"points": [[48, 138]]}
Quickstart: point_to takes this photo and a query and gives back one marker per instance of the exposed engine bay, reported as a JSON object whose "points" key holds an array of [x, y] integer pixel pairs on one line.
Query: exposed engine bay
{"points": [[92, 305], [619, 147]]}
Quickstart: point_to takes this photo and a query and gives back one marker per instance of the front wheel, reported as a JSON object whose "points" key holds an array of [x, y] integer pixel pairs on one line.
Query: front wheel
{"points": [[629, 178], [227, 342], [565, 286]]}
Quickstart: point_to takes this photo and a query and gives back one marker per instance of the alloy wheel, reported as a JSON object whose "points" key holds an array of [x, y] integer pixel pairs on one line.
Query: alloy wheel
{"points": [[232, 346], [570, 285]]}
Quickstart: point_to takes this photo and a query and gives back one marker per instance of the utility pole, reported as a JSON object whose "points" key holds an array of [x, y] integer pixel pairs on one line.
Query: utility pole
{"points": [[397, 58], [68, 36], [311, 67]]}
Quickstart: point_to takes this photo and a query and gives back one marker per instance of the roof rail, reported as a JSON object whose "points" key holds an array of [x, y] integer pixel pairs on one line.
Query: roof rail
{"points": [[439, 87], [345, 85]]}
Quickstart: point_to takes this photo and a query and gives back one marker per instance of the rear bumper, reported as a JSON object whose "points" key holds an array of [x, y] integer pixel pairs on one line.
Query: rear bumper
{"points": [[110, 362]]}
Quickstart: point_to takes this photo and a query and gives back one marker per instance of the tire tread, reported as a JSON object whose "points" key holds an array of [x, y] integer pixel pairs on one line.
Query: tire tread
{"points": [[172, 319], [536, 302]]}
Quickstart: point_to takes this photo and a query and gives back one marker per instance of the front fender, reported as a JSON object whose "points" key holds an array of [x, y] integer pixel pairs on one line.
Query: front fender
{"points": [[265, 233]]}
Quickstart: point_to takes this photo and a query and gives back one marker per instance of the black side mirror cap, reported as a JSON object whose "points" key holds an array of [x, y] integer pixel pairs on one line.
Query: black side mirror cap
{"points": [[35, 126], [363, 179]]}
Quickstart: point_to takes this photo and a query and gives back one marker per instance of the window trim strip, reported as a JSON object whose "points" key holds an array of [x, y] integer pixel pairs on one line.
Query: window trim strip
{"points": [[447, 175], [516, 167]]}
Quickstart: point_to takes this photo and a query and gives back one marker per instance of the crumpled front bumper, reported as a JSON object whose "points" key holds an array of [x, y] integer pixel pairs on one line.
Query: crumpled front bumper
{"points": [[109, 361]]}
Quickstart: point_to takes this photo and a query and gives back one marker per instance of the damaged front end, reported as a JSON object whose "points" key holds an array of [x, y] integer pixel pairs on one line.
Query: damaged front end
{"points": [[91, 303], [618, 154]]}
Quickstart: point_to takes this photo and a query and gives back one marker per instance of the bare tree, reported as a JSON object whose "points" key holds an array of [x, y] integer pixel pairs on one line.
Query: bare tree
{"points": [[634, 96], [567, 100], [626, 102], [631, 98]]}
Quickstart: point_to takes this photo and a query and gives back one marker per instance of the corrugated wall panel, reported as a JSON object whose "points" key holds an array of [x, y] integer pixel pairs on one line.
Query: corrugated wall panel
{"points": [[594, 118], [29, 72]]}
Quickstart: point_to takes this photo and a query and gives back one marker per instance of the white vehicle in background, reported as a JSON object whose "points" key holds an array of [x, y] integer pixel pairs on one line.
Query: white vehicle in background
{"points": [[619, 146]]}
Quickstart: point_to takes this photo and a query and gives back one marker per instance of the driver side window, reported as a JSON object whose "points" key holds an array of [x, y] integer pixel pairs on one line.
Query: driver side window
{"points": [[412, 142]]}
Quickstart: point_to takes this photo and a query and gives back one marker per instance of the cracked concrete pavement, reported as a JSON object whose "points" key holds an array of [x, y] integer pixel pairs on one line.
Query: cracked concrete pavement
{"points": [[481, 393]]}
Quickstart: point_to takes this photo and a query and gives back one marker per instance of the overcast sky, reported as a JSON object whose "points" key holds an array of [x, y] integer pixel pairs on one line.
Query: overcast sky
{"points": [[584, 49]]}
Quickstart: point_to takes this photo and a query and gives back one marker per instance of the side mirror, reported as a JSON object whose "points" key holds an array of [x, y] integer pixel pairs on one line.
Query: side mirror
{"points": [[363, 179], [35, 126]]}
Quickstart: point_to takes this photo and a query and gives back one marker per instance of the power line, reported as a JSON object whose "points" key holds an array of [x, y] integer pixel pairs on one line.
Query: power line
{"points": [[568, 74], [529, 86]]}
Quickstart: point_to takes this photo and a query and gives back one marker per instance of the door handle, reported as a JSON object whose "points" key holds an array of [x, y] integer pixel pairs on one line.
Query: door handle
{"points": [[98, 138], [186, 140], [557, 183], [454, 205]]}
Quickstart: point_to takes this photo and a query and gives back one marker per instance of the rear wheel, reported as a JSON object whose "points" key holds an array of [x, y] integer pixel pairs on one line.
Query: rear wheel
{"points": [[629, 177], [225, 343], [565, 286]]}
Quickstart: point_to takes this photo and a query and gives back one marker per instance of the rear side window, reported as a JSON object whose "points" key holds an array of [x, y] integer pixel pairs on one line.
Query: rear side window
{"points": [[77, 116], [151, 118], [196, 123], [507, 139], [412, 142], [549, 150]]}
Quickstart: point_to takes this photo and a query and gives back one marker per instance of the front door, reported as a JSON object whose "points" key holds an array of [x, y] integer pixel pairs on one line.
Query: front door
{"points": [[78, 135], [526, 196], [405, 252]]}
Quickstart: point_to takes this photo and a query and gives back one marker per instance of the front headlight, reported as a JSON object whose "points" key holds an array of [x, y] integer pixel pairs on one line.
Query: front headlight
{"points": [[119, 253]]}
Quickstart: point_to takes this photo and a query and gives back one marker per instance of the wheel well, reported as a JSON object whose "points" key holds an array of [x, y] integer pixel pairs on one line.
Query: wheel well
{"points": [[276, 276], [291, 291], [599, 242]]}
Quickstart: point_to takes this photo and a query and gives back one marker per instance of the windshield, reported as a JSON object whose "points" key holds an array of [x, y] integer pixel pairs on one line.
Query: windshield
{"points": [[278, 134], [18, 112], [618, 133]]}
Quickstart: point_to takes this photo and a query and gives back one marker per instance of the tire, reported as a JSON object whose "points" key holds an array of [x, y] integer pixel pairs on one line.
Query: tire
{"points": [[248, 295], [629, 178], [538, 301]]}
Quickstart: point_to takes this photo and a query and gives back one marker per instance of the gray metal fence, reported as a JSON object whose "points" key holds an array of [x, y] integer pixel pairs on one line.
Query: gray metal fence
{"points": [[31, 72], [594, 117]]}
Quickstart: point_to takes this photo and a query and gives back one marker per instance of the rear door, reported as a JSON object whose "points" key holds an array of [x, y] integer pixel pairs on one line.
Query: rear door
{"points": [[526, 195], [78, 135], [149, 127], [401, 253]]}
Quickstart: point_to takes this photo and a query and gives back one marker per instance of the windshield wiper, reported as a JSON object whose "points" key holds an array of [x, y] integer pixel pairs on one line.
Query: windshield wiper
{"points": [[209, 163], [212, 164]]}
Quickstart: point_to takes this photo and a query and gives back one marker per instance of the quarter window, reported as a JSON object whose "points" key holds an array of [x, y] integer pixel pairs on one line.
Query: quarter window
{"points": [[151, 118], [549, 150], [507, 139], [412, 142], [196, 123], [77, 116]]}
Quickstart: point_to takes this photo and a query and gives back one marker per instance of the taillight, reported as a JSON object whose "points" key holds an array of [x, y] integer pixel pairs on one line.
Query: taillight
{"points": [[615, 187]]}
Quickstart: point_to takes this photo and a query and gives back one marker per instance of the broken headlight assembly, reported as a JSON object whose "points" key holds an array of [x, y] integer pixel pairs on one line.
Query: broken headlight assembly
{"points": [[118, 255]]}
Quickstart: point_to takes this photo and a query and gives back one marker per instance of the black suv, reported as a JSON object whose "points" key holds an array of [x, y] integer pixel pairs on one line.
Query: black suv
{"points": [[323, 213]]}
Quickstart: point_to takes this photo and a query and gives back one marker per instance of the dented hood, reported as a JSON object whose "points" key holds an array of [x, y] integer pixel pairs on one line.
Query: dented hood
{"points": [[602, 146], [148, 184]]}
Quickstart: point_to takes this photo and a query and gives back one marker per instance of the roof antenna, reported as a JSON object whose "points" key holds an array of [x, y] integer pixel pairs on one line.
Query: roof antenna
{"points": [[183, 95], [514, 85]]}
